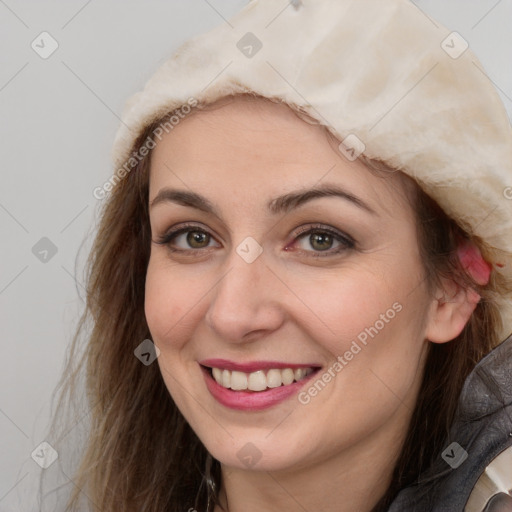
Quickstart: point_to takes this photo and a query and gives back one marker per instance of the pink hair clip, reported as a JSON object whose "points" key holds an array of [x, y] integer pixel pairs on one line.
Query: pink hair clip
{"points": [[473, 263]]}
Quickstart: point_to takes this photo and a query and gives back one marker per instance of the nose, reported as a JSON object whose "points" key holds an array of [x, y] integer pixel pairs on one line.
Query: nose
{"points": [[247, 303]]}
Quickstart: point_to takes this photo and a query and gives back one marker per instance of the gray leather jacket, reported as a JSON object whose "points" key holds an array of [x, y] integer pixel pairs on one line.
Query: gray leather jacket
{"points": [[474, 471]]}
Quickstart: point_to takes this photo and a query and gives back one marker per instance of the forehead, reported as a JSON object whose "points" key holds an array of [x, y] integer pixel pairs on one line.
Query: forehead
{"points": [[241, 130], [248, 144]]}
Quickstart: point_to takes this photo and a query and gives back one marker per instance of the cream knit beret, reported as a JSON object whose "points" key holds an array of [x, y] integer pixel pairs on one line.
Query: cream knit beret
{"points": [[382, 76]]}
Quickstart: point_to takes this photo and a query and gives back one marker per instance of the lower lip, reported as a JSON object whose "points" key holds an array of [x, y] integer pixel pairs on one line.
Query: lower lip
{"points": [[252, 400]]}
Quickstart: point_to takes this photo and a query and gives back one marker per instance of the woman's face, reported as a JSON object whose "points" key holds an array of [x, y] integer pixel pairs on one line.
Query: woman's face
{"points": [[292, 271]]}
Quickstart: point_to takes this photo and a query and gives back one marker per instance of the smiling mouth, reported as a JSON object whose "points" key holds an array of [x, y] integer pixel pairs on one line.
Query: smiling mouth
{"points": [[260, 380]]}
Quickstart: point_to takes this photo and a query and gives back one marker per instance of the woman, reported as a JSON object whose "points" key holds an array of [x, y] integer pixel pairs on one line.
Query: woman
{"points": [[302, 269]]}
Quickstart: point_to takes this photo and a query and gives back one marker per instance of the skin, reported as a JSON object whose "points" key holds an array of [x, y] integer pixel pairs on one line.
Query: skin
{"points": [[337, 452]]}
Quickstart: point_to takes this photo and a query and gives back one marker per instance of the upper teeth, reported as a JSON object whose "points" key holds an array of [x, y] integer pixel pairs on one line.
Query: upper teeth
{"points": [[259, 380]]}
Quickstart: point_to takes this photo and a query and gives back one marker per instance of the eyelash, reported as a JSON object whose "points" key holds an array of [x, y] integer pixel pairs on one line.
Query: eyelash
{"points": [[167, 238], [346, 241]]}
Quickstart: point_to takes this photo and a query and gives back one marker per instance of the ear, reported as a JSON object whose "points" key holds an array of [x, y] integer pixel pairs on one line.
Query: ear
{"points": [[450, 312]]}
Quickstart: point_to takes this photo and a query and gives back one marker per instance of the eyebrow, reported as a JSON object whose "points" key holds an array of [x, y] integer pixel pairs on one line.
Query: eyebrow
{"points": [[184, 198], [281, 204], [285, 203]]}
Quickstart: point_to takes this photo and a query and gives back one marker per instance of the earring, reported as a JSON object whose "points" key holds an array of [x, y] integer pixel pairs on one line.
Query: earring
{"points": [[211, 487]]}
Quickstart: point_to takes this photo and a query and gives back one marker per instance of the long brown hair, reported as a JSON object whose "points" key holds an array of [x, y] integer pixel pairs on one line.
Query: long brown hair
{"points": [[140, 454]]}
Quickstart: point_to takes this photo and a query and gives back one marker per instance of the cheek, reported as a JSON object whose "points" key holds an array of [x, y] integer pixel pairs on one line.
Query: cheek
{"points": [[372, 334], [366, 302], [370, 325], [172, 301]]}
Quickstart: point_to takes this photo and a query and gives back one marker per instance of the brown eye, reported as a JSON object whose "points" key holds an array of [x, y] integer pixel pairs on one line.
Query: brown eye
{"points": [[321, 241], [318, 241], [188, 239], [198, 239]]}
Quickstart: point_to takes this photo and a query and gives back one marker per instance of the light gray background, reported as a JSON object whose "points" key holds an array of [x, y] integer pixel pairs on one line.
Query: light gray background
{"points": [[58, 120]]}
